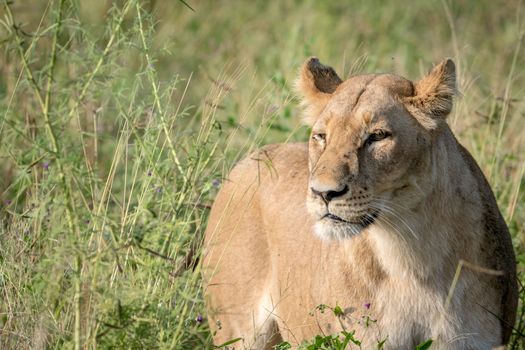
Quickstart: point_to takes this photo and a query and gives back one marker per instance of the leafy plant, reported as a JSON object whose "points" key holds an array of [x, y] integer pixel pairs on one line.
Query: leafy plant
{"points": [[424, 345]]}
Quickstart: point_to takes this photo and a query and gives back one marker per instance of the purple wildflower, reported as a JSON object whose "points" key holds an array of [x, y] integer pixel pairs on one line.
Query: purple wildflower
{"points": [[199, 318], [216, 183], [45, 165], [8, 202], [367, 306]]}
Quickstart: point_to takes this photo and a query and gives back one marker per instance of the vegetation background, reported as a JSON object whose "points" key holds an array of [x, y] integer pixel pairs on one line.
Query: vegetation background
{"points": [[120, 119]]}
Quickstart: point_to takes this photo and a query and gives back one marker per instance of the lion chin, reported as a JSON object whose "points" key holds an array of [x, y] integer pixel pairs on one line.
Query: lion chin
{"points": [[330, 231], [331, 227]]}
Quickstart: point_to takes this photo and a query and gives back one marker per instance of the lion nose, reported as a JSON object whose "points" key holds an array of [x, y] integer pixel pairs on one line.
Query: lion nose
{"points": [[329, 195]]}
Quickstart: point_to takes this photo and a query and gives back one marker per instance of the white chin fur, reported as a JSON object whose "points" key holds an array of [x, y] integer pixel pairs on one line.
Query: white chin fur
{"points": [[327, 231]]}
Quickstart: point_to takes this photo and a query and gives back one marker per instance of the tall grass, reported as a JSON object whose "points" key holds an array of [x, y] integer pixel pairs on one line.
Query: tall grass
{"points": [[120, 120], [107, 192]]}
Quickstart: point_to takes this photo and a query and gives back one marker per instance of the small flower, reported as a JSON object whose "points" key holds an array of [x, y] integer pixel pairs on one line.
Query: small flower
{"points": [[158, 189], [216, 183], [367, 306], [149, 173], [45, 166], [8, 202], [199, 318]]}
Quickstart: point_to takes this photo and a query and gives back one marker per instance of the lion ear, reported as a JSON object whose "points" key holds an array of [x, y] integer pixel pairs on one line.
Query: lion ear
{"points": [[316, 83], [432, 99]]}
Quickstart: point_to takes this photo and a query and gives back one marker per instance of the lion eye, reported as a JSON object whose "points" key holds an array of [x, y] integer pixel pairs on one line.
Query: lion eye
{"points": [[319, 137], [377, 136]]}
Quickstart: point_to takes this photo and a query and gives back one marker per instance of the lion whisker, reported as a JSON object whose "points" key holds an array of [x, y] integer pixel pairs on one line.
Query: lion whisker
{"points": [[396, 215]]}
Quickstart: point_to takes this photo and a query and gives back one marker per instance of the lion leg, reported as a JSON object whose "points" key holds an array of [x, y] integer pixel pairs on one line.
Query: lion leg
{"points": [[257, 329], [268, 336]]}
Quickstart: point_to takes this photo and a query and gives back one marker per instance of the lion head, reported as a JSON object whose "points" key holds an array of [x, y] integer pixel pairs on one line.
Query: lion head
{"points": [[371, 141]]}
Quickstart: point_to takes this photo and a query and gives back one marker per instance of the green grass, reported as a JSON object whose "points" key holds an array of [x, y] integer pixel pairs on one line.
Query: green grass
{"points": [[118, 122]]}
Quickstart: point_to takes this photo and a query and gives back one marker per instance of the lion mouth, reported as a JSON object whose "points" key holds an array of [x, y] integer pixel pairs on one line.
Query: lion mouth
{"points": [[364, 221], [335, 218]]}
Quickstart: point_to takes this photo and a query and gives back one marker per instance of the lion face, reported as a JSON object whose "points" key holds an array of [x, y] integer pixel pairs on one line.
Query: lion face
{"points": [[369, 151]]}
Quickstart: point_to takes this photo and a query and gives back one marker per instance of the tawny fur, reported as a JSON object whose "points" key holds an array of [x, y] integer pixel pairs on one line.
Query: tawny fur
{"points": [[410, 205]]}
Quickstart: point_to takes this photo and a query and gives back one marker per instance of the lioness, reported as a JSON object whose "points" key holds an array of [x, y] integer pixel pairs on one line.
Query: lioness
{"points": [[372, 218]]}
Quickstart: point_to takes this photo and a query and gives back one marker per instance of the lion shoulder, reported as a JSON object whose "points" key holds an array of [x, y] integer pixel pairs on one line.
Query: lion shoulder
{"points": [[273, 171]]}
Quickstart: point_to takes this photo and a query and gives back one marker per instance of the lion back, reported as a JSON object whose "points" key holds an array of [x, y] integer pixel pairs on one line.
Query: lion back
{"points": [[497, 246]]}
